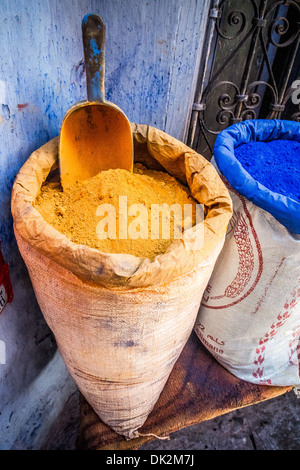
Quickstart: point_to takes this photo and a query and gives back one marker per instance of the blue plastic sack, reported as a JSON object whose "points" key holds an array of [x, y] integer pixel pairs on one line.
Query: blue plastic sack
{"points": [[283, 208]]}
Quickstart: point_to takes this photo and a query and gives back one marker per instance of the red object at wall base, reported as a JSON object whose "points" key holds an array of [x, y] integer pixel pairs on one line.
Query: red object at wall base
{"points": [[6, 291]]}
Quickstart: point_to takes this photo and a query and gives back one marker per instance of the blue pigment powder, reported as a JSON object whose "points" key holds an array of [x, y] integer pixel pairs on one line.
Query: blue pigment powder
{"points": [[274, 164]]}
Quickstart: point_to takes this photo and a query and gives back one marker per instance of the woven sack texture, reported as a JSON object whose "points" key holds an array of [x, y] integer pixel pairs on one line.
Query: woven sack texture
{"points": [[120, 321]]}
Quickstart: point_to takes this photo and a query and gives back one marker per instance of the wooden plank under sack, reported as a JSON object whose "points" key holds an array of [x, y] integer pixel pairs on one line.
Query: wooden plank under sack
{"points": [[198, 389]]}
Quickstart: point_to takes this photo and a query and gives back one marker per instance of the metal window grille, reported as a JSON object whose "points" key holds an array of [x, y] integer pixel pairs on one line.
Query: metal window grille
{"points": [[250, 68]]}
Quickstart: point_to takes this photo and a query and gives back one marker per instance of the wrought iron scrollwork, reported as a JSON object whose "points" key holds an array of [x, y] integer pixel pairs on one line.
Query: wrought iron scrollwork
{"points": [[266, 26]]}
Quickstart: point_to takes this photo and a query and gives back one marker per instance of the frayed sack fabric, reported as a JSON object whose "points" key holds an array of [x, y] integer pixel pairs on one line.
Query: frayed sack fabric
{"points": [[120, 321], [250, 312]]}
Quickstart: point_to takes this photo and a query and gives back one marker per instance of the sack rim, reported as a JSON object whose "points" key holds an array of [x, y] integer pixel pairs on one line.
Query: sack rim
{"points": [[285, 209], [110, 268]]}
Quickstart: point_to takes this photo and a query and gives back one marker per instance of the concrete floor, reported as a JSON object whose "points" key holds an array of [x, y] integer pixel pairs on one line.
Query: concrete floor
{"points": [[270, 425]]}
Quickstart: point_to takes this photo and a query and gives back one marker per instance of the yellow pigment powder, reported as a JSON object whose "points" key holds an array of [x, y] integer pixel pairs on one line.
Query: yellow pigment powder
{"points": [[118, 211]]}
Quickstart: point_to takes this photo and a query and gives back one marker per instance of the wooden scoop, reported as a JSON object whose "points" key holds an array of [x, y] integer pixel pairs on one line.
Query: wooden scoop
{"points": [[95, 134]]}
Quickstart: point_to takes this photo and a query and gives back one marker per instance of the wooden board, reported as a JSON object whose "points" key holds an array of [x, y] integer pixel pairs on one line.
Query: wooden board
{"points": [[198, 389]]}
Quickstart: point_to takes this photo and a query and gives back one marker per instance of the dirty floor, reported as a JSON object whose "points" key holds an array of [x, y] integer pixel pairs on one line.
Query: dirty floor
{"points": [[270, 425]]}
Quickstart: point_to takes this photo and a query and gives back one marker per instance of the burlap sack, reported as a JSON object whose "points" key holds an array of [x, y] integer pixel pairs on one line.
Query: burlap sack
{"points": [[250, 311], [120, 322]]}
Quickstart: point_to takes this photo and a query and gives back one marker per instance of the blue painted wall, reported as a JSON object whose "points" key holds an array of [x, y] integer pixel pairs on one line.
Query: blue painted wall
{"points": [[153, 50]]}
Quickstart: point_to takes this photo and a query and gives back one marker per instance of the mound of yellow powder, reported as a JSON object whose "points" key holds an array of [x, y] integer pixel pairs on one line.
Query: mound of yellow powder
{"points": [[114, 213]]}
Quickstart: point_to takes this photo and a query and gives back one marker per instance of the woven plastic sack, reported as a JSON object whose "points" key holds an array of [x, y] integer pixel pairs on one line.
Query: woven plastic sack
{"points": [[250, 312], [120, 321]]}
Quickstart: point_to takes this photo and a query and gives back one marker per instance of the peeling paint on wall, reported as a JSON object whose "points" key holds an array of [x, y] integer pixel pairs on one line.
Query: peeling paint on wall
{"points": [[152, 52], [2, 92]]}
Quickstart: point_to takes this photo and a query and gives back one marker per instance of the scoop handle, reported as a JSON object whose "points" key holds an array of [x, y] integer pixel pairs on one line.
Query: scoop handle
{"points": [[93, 36]]}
